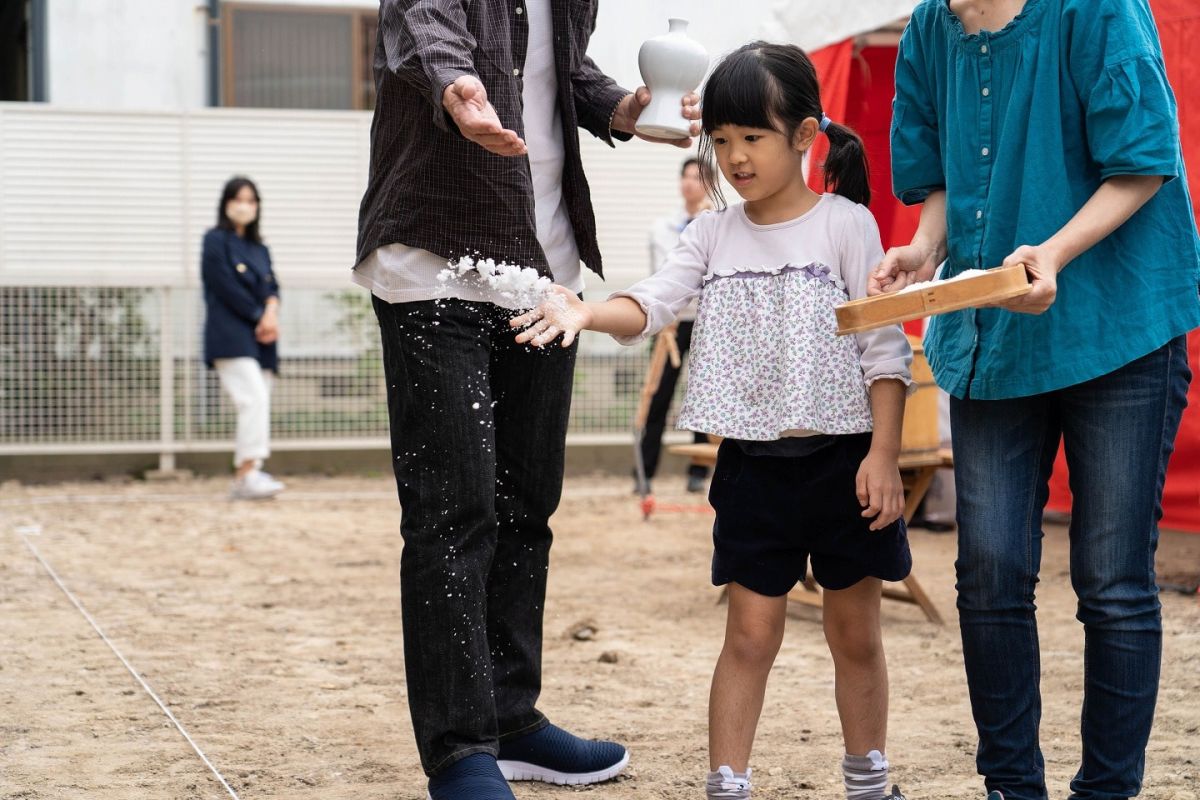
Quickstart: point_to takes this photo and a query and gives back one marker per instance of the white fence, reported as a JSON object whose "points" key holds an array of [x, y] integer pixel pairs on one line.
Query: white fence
{"points": [[101, 216]]}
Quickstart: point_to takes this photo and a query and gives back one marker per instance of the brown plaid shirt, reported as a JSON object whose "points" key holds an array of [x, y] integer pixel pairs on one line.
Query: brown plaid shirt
{"points": [[429, 187]]}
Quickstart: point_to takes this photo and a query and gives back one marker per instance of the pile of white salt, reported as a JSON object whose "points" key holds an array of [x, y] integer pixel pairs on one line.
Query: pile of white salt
{"points": [[521, 287], [916, 287]]}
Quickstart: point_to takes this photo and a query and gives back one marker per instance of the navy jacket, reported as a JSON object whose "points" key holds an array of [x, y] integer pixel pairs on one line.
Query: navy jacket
{"points": [[237, 279]]}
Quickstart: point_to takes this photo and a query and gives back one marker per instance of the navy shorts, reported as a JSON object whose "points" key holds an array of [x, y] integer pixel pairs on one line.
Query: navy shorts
{"points": [[775, 513]]}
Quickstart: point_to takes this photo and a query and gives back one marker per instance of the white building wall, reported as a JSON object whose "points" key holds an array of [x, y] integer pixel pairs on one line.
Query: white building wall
{"points": [[127, 54], [123, 197], [153, 54]]}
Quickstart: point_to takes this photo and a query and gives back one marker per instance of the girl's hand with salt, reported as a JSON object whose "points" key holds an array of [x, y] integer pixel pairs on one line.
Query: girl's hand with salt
{"points": [[563, 314], [560, 314]]}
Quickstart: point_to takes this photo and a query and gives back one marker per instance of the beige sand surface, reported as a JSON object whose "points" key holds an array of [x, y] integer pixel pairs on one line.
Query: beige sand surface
{"points": [[273, 633]]}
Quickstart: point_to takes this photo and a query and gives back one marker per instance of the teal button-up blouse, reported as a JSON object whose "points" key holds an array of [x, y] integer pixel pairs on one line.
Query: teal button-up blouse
{"points": [[1020, 127]]}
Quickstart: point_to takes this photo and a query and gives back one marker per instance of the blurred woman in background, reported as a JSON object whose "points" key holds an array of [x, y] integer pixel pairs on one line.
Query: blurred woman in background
{"points": [[241, 326]]}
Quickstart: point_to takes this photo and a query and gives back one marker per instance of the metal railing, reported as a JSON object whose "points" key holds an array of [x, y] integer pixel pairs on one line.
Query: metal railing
{"points": [[109, 369]]}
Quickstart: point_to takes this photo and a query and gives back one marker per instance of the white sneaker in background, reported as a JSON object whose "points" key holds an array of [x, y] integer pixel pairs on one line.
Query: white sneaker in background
{"points": [[255, 485]]}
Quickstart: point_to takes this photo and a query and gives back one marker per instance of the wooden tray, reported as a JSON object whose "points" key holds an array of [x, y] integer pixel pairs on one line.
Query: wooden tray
{"points": [[934, 297]]}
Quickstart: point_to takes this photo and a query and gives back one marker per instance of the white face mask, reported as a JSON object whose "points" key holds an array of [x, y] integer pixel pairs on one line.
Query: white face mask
{"points": [[241, 213]]}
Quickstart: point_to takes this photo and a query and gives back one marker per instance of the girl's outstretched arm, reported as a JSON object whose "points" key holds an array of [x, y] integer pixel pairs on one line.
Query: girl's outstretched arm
{"points": [[564, 314], [640, 311]]}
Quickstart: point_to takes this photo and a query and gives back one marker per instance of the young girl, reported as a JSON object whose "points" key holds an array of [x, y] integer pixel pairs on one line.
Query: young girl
{"points": [[811, 421]]}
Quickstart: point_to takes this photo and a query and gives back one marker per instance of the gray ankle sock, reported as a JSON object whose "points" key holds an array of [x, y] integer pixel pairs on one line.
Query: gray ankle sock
{"points": [[866, 776], [725, 784]]}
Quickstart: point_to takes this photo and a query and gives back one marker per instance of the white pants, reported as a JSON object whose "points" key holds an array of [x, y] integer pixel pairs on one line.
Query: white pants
{"points": [[249, 385]]}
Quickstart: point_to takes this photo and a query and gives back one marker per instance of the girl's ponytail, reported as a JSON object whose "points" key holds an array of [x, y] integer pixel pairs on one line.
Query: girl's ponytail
{"points": [[846, 171]]}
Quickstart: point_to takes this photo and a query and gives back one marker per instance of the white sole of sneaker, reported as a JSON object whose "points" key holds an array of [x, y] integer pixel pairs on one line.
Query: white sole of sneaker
{"points": [[253, 497], [521, 771]]}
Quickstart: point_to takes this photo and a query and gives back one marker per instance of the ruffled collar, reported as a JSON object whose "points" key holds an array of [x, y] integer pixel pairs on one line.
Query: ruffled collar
{"points": [[1009, 33], [813, 270]]}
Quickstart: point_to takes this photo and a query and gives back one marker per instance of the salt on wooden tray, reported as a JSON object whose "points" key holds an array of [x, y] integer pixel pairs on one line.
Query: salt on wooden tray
{"points": [[970, 289]]}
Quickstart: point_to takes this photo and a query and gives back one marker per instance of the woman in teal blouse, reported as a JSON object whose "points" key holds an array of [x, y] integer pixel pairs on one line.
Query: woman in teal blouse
{"points": [[1044, 132]]}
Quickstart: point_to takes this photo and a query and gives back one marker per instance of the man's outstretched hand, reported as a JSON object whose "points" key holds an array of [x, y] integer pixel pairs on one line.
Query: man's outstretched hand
{"points": [[630, 108], [466, 102]]}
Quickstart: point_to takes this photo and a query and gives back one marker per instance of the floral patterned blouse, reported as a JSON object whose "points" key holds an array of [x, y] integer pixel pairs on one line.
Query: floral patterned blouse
{"points": [[766, 361]]}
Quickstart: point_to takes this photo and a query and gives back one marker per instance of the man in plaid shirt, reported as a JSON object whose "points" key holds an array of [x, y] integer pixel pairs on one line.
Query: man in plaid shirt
{"points": [[475, 151]]}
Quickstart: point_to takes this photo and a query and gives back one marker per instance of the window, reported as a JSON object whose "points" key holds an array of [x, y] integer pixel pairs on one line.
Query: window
{"points": [[279, 56]]}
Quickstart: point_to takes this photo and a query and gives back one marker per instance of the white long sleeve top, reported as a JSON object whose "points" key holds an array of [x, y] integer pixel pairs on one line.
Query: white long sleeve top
{"points": [[766, 362]]}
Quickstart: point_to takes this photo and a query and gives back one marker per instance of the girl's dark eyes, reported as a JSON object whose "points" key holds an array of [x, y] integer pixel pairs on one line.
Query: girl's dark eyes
{"points": [[718, 140], [754, 137]]}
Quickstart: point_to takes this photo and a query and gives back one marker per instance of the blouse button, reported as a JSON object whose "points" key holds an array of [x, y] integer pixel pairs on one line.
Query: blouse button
{"points": [[520, 10], [983, 49], [240, 268], [516, 71], [978, 215], [984, 152], [986, 91]]}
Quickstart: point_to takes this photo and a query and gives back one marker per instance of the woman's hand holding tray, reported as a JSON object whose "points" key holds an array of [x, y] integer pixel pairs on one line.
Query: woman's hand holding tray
{"points": [[971, 289]]}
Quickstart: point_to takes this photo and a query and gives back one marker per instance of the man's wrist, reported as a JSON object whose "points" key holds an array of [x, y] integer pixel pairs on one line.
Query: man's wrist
{"points": [[442, 80], [612, 118]]}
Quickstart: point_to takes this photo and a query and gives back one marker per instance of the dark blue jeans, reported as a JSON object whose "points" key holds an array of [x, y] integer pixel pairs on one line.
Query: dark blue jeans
{"points": [[1118, 432], [478, 427]]}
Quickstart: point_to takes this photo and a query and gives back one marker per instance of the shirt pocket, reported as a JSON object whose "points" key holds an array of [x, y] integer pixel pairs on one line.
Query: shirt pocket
{"points": [[493, 44]]}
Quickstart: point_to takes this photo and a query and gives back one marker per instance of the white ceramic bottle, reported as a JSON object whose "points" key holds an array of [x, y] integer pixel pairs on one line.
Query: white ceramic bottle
{"points": [[672, 65]]}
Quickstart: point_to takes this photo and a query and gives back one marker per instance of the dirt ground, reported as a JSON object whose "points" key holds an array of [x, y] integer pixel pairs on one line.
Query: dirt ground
{"points": [[272, 631]]}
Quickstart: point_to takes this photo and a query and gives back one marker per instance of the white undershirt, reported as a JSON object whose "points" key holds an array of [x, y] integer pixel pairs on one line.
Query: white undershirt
{"points": [[397, 273]]}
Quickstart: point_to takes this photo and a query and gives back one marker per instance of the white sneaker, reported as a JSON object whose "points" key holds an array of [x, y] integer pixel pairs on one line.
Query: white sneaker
{"points": [[255, 485]]}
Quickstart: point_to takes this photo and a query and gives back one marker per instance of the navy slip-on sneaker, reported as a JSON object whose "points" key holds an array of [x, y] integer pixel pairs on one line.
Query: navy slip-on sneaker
{"points": [[475, 777], [552, 755]]}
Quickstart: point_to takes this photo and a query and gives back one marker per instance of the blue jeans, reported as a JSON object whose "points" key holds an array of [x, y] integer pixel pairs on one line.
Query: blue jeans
{"points": [[1118, 432]]}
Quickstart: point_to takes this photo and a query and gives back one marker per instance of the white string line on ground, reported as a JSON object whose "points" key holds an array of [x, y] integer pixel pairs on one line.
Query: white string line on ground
{"points": [[24, 532]]}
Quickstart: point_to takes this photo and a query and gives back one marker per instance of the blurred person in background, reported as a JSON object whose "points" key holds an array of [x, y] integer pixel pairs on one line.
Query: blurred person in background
{"points": [[241, 327], [664, 235]]}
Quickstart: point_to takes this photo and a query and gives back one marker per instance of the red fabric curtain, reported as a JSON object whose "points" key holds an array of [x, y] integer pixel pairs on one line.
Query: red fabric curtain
{"points": [[857, 89]]}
